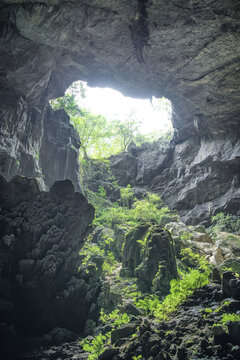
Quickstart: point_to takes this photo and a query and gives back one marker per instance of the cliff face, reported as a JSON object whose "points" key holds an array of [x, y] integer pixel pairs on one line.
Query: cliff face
{"points": [[36, 142], [187, 52], [198, 177]]}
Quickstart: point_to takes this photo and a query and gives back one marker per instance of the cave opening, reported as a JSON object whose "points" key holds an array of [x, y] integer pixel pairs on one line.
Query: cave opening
{"points": [[108, 121]]}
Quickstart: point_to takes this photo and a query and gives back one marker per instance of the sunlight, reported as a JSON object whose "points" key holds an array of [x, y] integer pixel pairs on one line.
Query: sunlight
{"points": [[154, 114]]}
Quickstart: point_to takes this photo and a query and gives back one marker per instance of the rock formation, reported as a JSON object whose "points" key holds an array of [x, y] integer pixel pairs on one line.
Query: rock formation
{"points": [[148, 255], [187, 52], [196, 179], [41, 235]]}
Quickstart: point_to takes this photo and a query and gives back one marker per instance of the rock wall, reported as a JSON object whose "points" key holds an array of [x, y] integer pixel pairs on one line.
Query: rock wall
{"points": [[36, 142], [58, 155], [188, 52], [198, 177], [41, 235]]}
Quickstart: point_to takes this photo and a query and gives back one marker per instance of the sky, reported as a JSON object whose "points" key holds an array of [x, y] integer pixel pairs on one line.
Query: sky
{"points": [[113, 105]]}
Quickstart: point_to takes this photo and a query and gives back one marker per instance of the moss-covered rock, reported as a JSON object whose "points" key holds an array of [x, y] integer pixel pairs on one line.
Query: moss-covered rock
{"points": [[132, 249], [148, 254]]}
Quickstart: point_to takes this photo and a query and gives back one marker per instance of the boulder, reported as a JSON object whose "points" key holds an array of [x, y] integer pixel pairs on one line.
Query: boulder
{"points": [[122, 332]]}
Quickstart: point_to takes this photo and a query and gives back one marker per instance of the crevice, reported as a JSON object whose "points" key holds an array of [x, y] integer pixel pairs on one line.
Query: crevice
{"points": [[212, 71]]}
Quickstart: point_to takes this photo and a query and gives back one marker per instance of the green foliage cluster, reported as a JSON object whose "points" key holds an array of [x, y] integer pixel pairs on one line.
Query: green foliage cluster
{"points": [[127, 196], [223, 306], [90, 172], [225, 222], [96, 346], [149, 209], [98, 255], [148, 304], [186, 236], [101, 138], [180, 289], [228, 317], [115, 318], [128, 287]]}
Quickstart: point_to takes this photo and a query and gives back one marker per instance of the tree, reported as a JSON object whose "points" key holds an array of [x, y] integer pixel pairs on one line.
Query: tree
{"points": [[126, 131], [69, 104], [101, 138], [95, 135]]}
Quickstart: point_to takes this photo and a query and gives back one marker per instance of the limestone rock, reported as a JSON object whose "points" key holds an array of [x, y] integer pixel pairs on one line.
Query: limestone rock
{"points": [[108, 353], [122, 332], [218, 257], [186, 188], [148, 254], [232, 263], [229, 243], [39, 277], [185, 236]]}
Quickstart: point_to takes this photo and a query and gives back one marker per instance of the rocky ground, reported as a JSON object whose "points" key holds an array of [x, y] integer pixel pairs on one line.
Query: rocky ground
{"points": [[189, 334], [51, 293]]}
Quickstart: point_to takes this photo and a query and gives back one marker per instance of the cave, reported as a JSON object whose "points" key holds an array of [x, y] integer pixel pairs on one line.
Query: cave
{"points": [[186, 51]]}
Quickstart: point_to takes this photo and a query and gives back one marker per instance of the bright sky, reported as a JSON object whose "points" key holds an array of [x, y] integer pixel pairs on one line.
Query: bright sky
{"points": [[113, 105]]}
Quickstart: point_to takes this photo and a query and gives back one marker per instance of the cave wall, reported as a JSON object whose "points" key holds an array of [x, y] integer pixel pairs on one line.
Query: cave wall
{"points": [[41, 287], [198, 177], [37, 142], [188, 52]]}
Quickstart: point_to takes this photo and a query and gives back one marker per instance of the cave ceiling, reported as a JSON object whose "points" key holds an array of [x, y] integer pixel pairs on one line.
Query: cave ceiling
{"points": [[187, 51]]}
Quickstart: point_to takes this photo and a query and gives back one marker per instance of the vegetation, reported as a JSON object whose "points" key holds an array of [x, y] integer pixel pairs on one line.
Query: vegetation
{"points": [[225, 222], [128, 213], [228, 317], [95, 346], [149, 209], [180, 289], [115, 318], [98, 255], [101, 138]]}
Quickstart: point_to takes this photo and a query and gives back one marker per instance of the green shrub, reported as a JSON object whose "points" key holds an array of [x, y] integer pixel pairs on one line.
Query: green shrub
{"points": [[225, 222], [127, 196], [227, 317], [149, 209], [98, 255], [94, 347], [148, 303], [115, 318], [182, 288]]}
